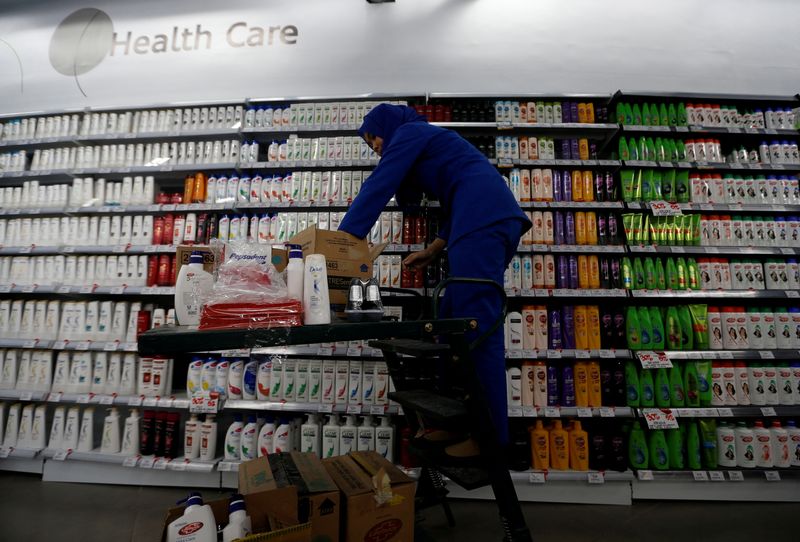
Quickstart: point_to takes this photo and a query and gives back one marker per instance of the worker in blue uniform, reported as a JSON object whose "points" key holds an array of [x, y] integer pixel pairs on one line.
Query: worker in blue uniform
{"points": [[481, 226]]}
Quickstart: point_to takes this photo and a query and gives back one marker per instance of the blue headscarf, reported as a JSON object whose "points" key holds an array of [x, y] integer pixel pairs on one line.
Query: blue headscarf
{"points": [[384, 120]]}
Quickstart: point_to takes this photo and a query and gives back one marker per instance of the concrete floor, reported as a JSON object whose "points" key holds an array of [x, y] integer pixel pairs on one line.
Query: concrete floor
{"points": [[34, 510]]}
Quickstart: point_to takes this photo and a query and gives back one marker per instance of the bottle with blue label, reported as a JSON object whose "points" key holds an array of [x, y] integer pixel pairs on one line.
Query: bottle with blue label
{"points": [[637, 448], [659, 453], [647, 393], [631, 385]]}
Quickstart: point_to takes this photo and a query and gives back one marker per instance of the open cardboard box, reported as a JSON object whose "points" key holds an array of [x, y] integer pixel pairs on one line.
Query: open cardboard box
{"points": [[370, 514], [213, 256], [346, 257], [317, 499], [274, 511]]}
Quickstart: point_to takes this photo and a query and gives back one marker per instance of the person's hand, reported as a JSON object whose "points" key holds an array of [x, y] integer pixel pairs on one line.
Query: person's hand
{"points": [[420, 259], [423, 258]]}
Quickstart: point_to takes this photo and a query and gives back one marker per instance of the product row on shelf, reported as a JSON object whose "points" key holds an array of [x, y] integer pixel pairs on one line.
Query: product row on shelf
{"points": [[705, 115], [696, 327], [648, 149]]}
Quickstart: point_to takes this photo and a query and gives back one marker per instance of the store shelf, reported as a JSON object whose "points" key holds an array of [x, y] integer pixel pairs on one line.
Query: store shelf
{"points": [[19, 453], [507, 162], [32, 250], [568, 293], [98, 468], [585, 205], [594, 249], [787, 354], [705, 250], [719, 485], [571, 127], [667, 164], [23, 395], [94, 346], [306, 164], [59, 289], [26, 343], [695, 129], [119, 249], [608, 487], [121, 137], [568, 354], [733, 412], [171, 402], [727, 207], [718, 294], [569, 412], [275, 406]]}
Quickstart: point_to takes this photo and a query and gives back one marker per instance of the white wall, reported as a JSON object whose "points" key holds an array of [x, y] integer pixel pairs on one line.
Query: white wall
{"points": [[348, 47]]}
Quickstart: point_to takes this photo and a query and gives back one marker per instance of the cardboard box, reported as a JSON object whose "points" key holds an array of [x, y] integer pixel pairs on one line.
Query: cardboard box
{"points": [[347, 257], [369, 514], [317, 494], [212, 256], [268, 510]]}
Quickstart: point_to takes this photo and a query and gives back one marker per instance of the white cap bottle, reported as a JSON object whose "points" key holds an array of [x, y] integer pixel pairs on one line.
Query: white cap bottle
{"points": [[366, 435], [763, 445], [57, 428], [266, 438], [384, 439], [86, 437], [191, 439], [233, 439], [316, 301], [208, 438], [310, 437], [283, 437], [330, 437], [110, 443], [794, 442], [779, 439], [248, 448], [726, 445]]}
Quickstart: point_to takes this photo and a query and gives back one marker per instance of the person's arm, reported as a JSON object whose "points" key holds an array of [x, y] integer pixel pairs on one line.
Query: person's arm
{"points": [[384, 182], [423, 258]]}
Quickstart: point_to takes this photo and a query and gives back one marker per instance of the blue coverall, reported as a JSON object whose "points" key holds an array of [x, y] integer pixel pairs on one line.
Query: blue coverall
{"points": [[482, 222]]}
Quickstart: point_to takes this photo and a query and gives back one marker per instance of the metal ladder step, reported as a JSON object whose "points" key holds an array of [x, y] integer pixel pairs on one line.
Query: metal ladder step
{"points": [[430, 405], [411, 347]]}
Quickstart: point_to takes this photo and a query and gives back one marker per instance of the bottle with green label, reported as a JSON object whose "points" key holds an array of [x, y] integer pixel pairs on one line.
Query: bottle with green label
{"points": [[687, 333], [624, 153], [656, 184], [672, 151], [646, 115], [693, 446], [657, 335], [672, 274], [638, 274], [692, 274], [637, 114], [659, 453], [654, 120], [647, 184], [662, 388], [672, 329], [675, 446], [703, 369], [681, 111], [621, 117], [647, 392], [647, 328], [682, 187], [668, 185], [631, 385], [651, 148], [633, 329], [691, 384], [633, 147], [649, 274], [628, 114], [661, 278], [676, 387], [663, 115], [642, 148], [672, 115], [627, 273], [637, 447], [708, 442], [680, 267]]}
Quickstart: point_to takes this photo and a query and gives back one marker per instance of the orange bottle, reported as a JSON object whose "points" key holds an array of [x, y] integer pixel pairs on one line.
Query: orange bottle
{"points": [[581, 375], [199, 188], [580, 228], [583, 149], [188, 189], [559, 447], [540, 446], [582, 112], [583, 271], [594, 271], [591, 228], [577, 186], [588, 183], [593, 326], [578, 447], [590, 112]]}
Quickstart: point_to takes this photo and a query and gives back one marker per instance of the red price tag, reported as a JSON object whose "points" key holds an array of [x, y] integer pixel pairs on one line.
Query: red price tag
{"points": [[657, 418], [664, 208], [653, 360]]}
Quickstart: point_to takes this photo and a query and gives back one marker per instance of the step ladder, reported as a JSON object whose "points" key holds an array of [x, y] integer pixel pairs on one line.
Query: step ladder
{"points": [[436, 383]]}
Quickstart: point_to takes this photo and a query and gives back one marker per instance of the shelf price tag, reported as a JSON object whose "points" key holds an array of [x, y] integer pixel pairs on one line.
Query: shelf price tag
{"points": [[131, 461], [766, 354], [554, 354], [658, 418], [596, 478], [735, 476], [26, 396], [377, 410], [205, 403], [653, 360], [136, 400], [150, 402], [111, 346], [700, 476], [160, 463], [61, 455], [537, 478], [645, 475], [608, 412], [583, 354], [552, 412], [724, 413], [514, 411], [772, 476], [54, 397], [106, 399], [177, 465], [354, 409], [664, 208], [5, 452], [768, 411], [607, 354], [584, 412], [147, 462], [529, 411], [325, 408], [717, 476]]}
